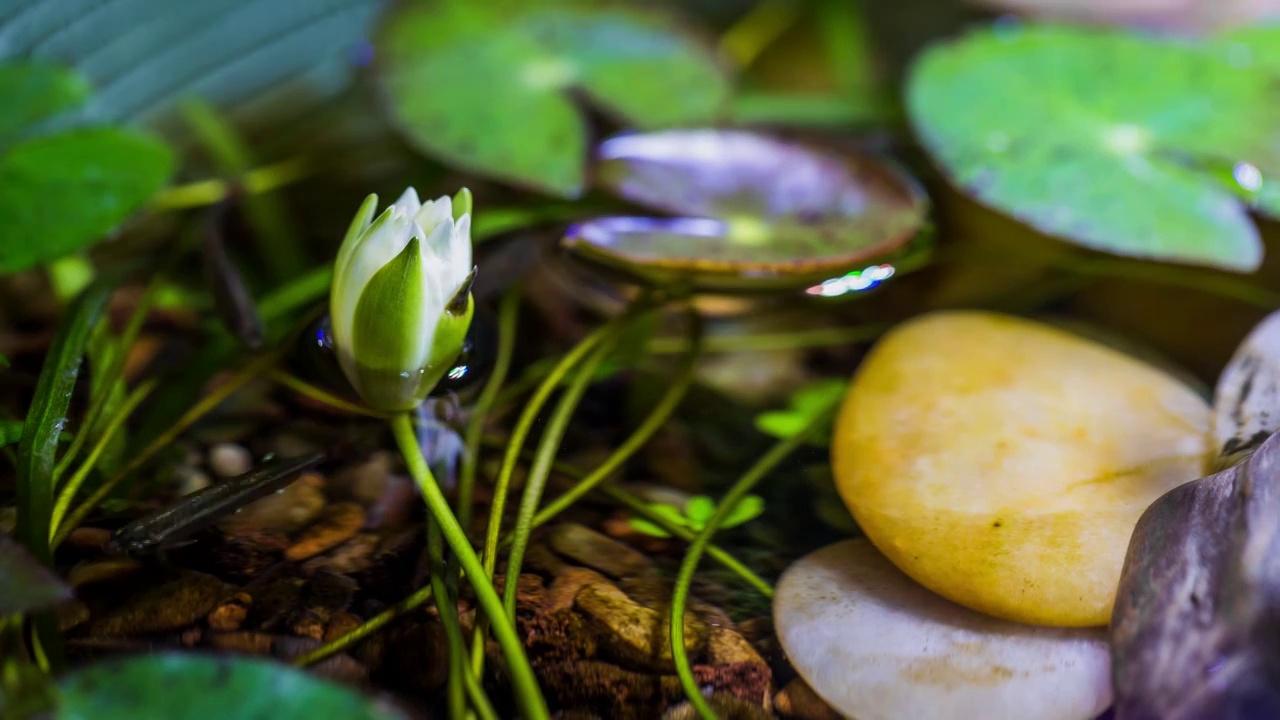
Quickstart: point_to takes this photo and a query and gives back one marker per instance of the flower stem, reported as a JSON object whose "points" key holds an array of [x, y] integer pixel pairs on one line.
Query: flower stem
{"points": [[445, 603], [680, 593], [540, 470], [320, 395], [508, 313], [528, 695]]}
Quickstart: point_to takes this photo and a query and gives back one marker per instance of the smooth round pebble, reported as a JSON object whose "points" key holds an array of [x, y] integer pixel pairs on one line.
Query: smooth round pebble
{"points": [[230, 460], [875, 645], [1004, 463]]}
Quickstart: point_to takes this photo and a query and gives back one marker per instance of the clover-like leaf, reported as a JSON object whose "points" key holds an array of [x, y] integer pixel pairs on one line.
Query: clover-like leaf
{"points": [[182, 686], [490, 91], [1112, 141], [59, 193], [647, 527], [747, 509], [699, 510], [802, 409]]}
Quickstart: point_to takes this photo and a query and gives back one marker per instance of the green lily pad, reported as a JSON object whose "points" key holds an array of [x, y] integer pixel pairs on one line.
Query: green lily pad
{"points": [[34, 92], [756, 212], [62, 192], [490, 92], [192, 686], [1112, 141], [25, 584]]}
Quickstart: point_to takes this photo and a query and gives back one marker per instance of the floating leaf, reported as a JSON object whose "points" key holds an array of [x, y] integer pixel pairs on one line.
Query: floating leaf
{"points": [[62, 192], [190, 686], [34, 92], [25, 584], [759, 212], [489, 92], [1115, 142]]}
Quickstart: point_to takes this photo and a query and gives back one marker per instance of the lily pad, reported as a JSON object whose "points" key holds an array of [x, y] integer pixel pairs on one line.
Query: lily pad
{"points": [[25, 584], [182, 686], [756, 211], [62, 192], [1112, 141], [490, 91]]}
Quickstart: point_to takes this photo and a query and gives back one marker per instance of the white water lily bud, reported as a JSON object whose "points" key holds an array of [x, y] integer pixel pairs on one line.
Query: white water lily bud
{"points": [[401, 301]]}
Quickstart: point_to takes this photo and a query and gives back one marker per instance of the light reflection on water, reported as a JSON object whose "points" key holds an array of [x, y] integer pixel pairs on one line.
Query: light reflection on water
{"points": [[855, 281]]}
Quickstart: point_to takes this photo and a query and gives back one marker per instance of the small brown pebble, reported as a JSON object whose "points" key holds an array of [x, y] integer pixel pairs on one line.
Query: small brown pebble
{"points": [[191, 636], [599, 552], [172, 605], [566, 585], [726, 707], [353, 556], [230, 614], [308, 626], [541, 559], [725, 647], [340, 624], [335, 525], [285, 511], [632, 633], [798, 701], [87, 539], [103, 570]]}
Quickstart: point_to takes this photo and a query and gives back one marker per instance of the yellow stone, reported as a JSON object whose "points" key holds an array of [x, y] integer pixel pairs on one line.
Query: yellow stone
{"points": [[1003, 463]]}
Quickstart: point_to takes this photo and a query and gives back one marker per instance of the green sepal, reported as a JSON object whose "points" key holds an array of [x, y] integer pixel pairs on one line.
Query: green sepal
{"points": [[385, 342], [461, 204]]}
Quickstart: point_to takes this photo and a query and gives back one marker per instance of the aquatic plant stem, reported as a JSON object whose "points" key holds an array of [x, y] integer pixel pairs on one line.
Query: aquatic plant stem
{"points": [[540, 470], [320, 395], [216, 397], [641, 508], [528, 695], [420, 597], [455, 693], [210, 192], [516, 444], [68, 491], [656, 418], [680, 592], [508, 313]]}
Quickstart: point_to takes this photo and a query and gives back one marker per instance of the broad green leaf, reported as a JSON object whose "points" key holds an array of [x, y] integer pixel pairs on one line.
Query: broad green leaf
{"points": [[648, 528], [1103, 139], [25, 584], [62, 192], [490, 92], [34, 92], [192, 686], [780, 423], [749, 508], [699, 510], [261, 60]]}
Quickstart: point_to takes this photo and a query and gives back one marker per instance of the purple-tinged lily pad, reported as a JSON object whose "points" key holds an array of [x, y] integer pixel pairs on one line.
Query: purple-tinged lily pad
{"points": [[1196, 628], [25, 584], [754, 211]]}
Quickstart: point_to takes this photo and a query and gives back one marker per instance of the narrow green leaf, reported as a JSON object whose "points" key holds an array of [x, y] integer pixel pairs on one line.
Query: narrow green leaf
{"points": [[37, 451], [104, 352], [780, 423], [10, 432], [25, 584], [61, 193], [34, 92]]}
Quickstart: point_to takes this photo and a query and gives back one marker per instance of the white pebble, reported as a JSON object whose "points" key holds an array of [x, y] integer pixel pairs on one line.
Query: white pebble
{"points": [[229, 460]]}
